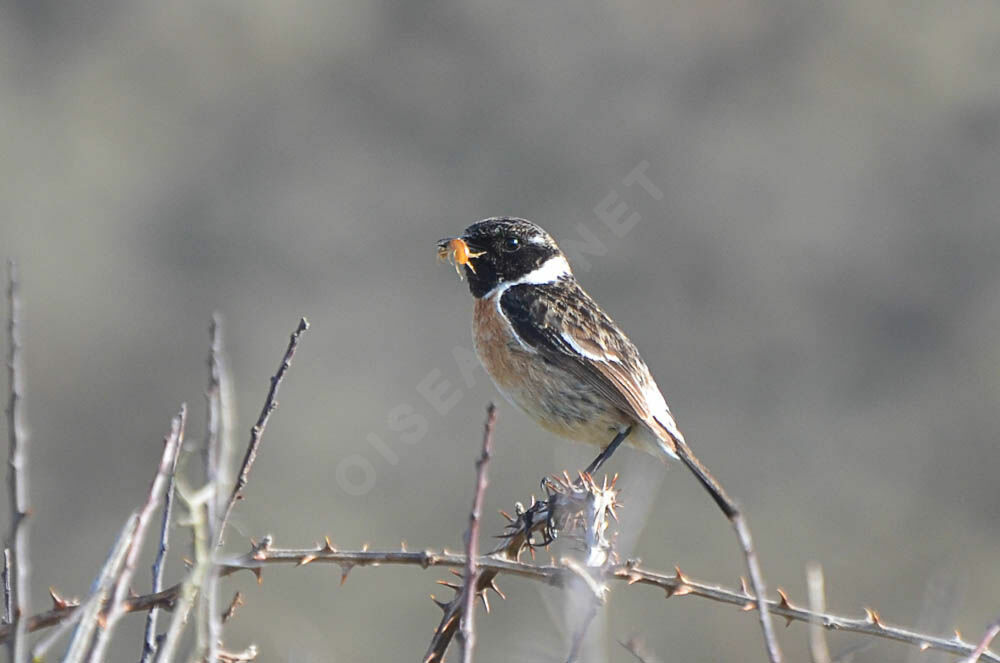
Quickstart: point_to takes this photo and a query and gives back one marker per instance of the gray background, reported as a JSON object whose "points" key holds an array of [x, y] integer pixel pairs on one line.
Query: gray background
{"points": [[818, 290]]}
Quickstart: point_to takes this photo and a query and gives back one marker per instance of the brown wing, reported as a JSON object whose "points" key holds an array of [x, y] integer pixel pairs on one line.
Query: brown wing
{"points": [[565, 325]]}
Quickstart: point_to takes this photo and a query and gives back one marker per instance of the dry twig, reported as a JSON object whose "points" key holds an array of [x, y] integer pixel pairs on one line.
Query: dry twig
{"points": [[168, 460], [739, 523], [218, 449], [90, 613], [8, 594], [984, 643], [564, 510], [258, 429], [203, 560], [17, 590], [149, 643], [556, 575], [600, 507], [818, 649], [467, 631]]}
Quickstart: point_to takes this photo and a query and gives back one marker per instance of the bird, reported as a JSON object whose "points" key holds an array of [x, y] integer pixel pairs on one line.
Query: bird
{"points": [[549, 347]]}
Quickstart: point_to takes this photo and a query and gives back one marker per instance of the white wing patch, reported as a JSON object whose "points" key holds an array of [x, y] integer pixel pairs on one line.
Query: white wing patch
{"points": [[582, 351]]}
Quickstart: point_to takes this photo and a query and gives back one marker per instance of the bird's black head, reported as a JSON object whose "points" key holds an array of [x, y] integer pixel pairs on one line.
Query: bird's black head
{"points": [[504, 249]]}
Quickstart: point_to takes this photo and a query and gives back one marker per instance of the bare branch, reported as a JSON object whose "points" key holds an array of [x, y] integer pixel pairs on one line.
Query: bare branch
{"points": [[258, 430], [818, 649], [149, 644], [188, 590], [19, 563], [984, 643], [90, 612], [168, 460], [218, 450], [490, 566], [467, 632], [739, 523], [8, 594]]}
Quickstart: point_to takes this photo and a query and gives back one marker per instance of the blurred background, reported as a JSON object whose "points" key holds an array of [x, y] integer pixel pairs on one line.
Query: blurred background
{"points": [[816, 288]]}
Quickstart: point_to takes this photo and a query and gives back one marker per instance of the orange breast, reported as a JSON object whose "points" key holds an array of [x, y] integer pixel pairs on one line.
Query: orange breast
{"points": [[554, 397]]}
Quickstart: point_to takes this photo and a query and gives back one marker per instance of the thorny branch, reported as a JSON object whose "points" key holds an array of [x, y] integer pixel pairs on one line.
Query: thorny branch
{"points": [[818, 649], [556, 575], [18, 565], [90, 612], [218, 449], [257, 432], [467, 632], [123, 581], [149, 643], [738, 520], [571, 507], [599, 508], [984, 643]]}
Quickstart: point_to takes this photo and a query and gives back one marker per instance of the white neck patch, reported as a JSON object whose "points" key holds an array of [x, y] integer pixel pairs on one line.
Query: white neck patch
{"points": [[549, 271]]}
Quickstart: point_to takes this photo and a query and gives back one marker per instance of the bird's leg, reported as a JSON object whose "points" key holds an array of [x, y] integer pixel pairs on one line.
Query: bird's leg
{"points": [[608, 450]]}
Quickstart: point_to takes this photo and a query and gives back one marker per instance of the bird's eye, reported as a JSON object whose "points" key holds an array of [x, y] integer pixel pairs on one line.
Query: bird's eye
{"points": [[511, 244]]}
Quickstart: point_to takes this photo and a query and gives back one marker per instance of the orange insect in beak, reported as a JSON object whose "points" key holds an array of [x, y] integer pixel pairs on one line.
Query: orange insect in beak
{"points": [[457, 252]]}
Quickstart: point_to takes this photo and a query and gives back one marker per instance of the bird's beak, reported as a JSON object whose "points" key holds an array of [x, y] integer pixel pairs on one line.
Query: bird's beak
{"points": [[456, 251]]}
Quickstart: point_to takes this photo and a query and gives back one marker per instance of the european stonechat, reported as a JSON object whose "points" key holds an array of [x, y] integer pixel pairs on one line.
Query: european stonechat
{"points": [[549, 347]]}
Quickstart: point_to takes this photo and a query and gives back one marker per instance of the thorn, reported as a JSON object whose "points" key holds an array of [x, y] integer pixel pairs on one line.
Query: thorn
{"points": [[449, 585], [486, 602], [506, 515], [457, 573], [187, 562], [451, 620], [787, 606], [344, 570], [748, 606], [58, 602], [402, 545], [633, 578], [744, 586], [924, 646], [259, 573], [958, 636], [441, 604], [327, 546], [234, 605], [496, 588], [305, 560], [364, 547], [874, 619], [680, 575]]}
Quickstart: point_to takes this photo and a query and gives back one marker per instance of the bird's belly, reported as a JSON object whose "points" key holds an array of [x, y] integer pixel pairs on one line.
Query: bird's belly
{"points": [[555, 398]]}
